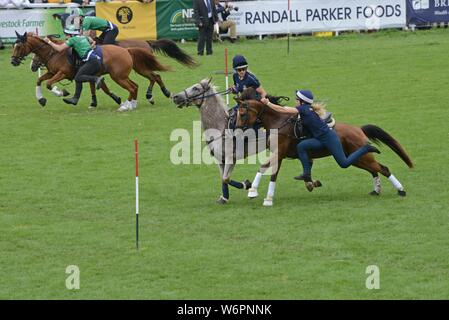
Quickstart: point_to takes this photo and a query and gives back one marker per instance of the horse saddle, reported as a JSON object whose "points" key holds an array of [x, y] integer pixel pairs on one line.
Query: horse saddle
{"points": [[73, 58], [302, 133]]}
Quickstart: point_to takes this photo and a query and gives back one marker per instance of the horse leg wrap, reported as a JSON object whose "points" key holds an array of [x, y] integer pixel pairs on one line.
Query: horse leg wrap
{"points": [[93, 103], [225, 190], [57, 92], [166, 92], [149, 94], [117, 100], [396, 183], [236, 184], [39, 92], [377, 188], [268, 201], [40, 98], [256, 181]]}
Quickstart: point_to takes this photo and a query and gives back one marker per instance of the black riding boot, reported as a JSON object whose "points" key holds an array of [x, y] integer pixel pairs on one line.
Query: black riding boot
{"points": [[76, 96]]}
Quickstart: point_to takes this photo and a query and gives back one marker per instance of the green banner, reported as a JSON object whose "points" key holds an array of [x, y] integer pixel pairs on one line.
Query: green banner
{"points": [[39, 21], [175, 19]]}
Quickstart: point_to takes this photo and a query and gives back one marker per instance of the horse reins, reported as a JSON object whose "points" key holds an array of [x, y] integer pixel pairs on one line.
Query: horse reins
{"points": [[34, 51], [259, 115], [203, 95]]}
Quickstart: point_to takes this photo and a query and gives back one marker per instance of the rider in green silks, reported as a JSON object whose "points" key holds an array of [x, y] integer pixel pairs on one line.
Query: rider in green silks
{"points": [[91, 60]]}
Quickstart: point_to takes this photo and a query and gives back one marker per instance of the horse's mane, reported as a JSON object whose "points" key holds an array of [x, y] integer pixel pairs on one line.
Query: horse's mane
{"points": [[53, 38], [220, 99], [251, 94], [56, 40]]}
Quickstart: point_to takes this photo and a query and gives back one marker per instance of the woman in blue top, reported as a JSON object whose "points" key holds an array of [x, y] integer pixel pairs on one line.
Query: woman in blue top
{"points": [[323, 137], [244, 79]]}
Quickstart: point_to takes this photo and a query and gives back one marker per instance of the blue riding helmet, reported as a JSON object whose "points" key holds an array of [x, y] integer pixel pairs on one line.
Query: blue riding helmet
{"points": [[239, 62], [305, 95]]}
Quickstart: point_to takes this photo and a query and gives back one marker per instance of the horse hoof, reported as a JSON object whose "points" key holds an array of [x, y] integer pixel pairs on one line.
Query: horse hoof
{"points": [[151, 100], [247, 184], [222, 200], [268, 202], [252, 193], [402, 193], [374, 193], [42, 102], [309, 186], [65, 93], [317, 184]]}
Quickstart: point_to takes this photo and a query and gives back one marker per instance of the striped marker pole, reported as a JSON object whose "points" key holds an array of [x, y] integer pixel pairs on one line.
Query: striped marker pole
{"points": [[227, 76], [136, 145]]}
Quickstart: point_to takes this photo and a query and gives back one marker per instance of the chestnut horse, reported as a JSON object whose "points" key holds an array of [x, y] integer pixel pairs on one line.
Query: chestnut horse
{"points": [[351, 138], [166, 47], [117, 62], [37, 63]]}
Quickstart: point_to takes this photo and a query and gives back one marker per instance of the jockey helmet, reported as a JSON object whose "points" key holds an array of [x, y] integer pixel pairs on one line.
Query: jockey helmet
{"points": [[239, 62], [71, 30], [305, 95], [78, 11]]}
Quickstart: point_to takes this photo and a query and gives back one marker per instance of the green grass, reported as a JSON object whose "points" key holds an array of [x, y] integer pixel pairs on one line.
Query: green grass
{"points": [[67, 186]]}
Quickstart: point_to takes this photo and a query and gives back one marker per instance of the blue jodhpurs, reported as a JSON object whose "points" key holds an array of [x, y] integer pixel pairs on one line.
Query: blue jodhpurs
{"points": [[331, 142]]}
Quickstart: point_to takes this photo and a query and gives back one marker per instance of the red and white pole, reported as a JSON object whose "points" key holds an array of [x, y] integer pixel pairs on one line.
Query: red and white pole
{"points": [[227, 76], [136, 145]]}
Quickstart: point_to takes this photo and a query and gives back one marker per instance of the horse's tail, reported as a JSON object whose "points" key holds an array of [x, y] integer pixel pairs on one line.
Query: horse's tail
{"points": [[171, 49], [377, 135], [142, 58]]}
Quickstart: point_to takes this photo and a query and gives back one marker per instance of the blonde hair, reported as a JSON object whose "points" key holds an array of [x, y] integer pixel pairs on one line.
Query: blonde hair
{"points": [[319, 108]]}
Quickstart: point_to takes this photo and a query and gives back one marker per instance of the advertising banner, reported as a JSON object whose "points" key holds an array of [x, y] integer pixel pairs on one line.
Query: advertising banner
{"points": [[175, 19], [36, 20], [305, 16], [134, 19], [427, 11]]}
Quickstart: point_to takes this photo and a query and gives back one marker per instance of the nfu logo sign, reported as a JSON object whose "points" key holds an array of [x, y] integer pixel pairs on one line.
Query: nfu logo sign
{"points": [[420, 4], [182, 16]]}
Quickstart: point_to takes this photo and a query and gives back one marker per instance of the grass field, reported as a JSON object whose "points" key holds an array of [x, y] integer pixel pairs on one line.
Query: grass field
{"points": [[67, 185]]}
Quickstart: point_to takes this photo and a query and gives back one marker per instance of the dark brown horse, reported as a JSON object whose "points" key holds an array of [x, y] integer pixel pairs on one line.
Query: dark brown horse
{"points": [[117, 62], [351, 138]]}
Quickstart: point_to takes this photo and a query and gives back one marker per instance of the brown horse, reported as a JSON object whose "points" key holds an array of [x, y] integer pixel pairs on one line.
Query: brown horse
{"points": [[351, 138], [37, 63], [166, 47], [117, 62]]}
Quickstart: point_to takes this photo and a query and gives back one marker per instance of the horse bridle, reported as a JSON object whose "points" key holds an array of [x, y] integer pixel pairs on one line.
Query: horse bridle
{"points": [[21, 58], [189, 100], [248, 108]]}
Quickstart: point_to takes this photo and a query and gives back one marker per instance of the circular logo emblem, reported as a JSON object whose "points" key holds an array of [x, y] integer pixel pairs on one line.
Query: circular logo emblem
{"points": [[124, 15]]}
